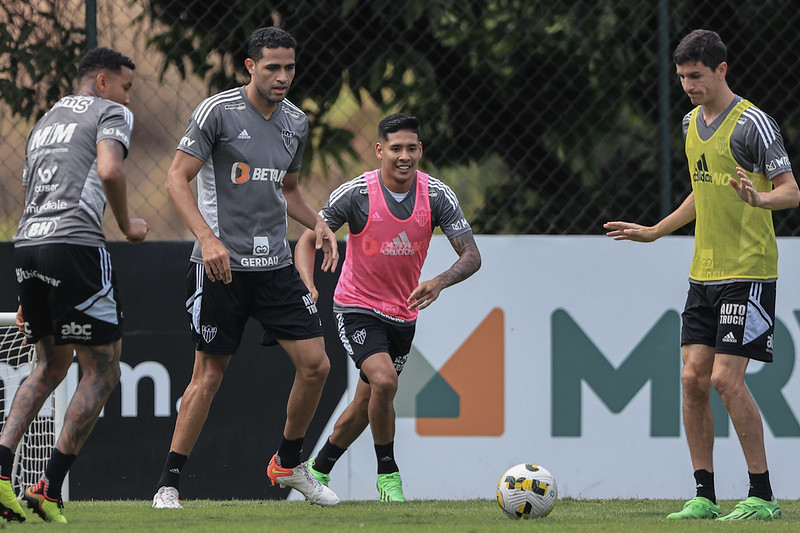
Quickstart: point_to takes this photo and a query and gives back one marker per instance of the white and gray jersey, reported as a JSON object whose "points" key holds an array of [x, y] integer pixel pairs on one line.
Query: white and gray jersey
{"points": [[349, 203], [756, 141], [64, 197], [245, 159]]}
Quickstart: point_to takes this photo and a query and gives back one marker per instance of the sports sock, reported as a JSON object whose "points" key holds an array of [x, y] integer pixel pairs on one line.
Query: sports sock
{"points": [[705, 484], [760, 486], [327, 457], [289, 452], [55, 472], [385, 455], [171, 475], [6, 462]]}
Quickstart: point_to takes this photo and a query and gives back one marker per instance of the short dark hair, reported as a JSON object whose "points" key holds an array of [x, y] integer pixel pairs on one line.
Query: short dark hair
{"points": [[269, 37], [701, 45], [103, 58], [396, 122]]}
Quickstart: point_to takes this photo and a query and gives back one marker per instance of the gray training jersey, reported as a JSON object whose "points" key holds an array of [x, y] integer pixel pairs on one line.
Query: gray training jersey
{"points": [[64, 198], [245, 159], [756, 141], [349, 203]]}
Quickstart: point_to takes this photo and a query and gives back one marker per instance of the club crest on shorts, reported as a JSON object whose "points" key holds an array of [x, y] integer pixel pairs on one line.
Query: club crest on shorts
{"points": [[208, 333], [359, 336]]}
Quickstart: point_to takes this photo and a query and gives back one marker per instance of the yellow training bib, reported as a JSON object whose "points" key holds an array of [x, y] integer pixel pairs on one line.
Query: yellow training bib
{"points": [[733, 240]]}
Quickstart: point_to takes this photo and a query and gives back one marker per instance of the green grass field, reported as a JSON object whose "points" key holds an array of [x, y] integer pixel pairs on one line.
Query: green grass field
{"points": [[462, 516]]}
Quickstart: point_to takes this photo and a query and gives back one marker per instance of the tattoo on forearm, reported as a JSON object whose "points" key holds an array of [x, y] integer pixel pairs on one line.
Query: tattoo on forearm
{"points": [[469, 259]]}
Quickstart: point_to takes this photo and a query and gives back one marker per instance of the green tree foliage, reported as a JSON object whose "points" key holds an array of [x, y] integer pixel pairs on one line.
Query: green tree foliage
{"points": [[503, 77], [564, 93], [39, 53]]}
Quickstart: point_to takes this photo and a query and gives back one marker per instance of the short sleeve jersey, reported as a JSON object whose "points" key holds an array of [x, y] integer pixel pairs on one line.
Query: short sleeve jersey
{"points": [[245, 159], [756, 142], [64, 197], [733, 240], [349, 204]]}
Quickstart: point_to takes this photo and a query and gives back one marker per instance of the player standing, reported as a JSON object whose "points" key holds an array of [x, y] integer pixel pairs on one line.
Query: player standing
{"points": [[67, 290], [730, 308], [244, 146], [391, 213]]}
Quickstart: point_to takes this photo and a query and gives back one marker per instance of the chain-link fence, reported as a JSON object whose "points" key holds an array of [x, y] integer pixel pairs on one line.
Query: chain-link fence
{"points": [[544, 117]]}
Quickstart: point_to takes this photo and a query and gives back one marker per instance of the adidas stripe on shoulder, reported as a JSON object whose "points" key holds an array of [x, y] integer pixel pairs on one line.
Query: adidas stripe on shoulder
{"points": [[764, 124], [444, 189], [344, 188], [207, 106]]}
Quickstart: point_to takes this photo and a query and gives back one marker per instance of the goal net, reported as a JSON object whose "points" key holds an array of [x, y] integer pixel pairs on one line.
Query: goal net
{"points": [[16, 362]]}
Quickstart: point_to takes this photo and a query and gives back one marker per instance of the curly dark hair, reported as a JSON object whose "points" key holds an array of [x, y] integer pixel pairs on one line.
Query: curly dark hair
{"points": [[103, 58], [269, 37]]}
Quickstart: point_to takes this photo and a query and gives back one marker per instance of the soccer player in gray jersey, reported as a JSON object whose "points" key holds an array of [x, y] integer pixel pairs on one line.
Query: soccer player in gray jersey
{"points": [[244, 146], [68, 301], [391, 214]]}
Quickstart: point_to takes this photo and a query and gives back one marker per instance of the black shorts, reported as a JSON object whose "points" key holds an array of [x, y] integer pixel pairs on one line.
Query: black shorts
{"points": [[277, 299], [736, 318], [68, 291], [364, 334]]}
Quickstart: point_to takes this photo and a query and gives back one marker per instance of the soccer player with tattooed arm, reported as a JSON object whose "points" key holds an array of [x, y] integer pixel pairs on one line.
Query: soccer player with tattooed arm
{"points": [[391, 213]]}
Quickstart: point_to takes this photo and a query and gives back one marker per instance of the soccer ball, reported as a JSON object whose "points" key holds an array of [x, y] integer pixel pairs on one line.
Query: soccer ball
{"points": [[527, 491]]}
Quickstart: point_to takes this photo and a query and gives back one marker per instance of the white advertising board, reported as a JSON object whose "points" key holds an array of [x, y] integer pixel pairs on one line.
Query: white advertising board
{"points": [[565, 351]]}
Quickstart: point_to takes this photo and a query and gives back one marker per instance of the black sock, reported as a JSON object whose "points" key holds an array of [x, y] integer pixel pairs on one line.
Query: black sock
{"points": [[289, 452], [705, 484], [327, 457], [385, 455], [171, 475], [760, 486], [6, 462], [55, 472]]}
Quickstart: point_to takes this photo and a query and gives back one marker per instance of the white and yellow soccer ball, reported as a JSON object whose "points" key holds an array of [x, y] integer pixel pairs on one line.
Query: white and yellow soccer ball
{"points": [[527, 491]]}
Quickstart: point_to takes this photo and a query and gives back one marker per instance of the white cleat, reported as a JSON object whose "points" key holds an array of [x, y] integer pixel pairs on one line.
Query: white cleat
{"points": [[301, 480], [167, 498]]}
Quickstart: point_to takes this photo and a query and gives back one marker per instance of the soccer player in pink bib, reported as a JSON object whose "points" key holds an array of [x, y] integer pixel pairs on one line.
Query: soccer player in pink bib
{"points": [[391, 213]]}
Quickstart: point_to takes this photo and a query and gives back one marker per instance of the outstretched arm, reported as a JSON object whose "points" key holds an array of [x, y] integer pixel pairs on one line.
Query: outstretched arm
{"points": [[469, 261], [629, 231]]}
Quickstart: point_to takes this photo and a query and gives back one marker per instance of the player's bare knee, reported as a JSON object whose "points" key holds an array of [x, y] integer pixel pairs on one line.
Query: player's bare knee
{"points": [[384, 384], [694, 382], [315, 369], [727, 385]]}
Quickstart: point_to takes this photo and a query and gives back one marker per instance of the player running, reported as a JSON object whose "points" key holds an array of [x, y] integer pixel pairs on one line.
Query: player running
{"points": [[391, 213], [67, 290]]}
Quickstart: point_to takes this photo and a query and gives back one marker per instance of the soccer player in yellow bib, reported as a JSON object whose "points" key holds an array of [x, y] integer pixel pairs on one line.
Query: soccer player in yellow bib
{"points": [[739, 172]]}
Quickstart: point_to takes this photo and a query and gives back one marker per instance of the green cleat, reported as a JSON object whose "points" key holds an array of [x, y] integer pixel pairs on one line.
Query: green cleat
{"points": [[754, 508], [319, 476], [10, 509], [697, 508], [390, 487], [48, 509]]}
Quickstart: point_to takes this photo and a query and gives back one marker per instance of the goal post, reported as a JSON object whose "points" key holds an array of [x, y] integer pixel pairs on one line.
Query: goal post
{"points": [[17, 360]]}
